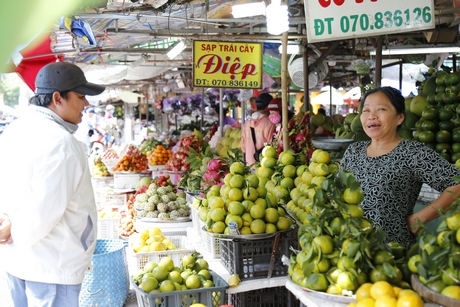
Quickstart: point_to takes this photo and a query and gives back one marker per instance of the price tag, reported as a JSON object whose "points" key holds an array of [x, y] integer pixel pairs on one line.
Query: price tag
{"points": [[233, 228], [340, 19]]}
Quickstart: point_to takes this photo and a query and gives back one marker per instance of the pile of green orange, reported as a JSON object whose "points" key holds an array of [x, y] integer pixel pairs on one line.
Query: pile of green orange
{"points": [[243, 200], [166, 276], [437, 108], [340, 250], [437, 256]]}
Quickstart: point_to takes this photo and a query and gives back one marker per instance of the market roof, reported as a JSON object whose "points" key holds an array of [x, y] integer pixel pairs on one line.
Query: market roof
{"points": [[131, 39]]}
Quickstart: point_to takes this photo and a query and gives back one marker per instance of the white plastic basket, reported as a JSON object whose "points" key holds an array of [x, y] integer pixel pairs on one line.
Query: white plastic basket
{"points": [[211, 244], [110, 164], [157, 170], [108, 228], [126, 180], [101, 182], [139, 260], [189, 198], [106, 199], [197, 222], [167, 229]]}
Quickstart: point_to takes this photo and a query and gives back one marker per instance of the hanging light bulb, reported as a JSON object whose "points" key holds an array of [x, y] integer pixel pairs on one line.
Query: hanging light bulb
{"points": [[277, 18]]}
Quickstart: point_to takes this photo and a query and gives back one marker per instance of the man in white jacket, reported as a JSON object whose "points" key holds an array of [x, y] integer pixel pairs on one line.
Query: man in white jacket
{"points": [[47, 194]]}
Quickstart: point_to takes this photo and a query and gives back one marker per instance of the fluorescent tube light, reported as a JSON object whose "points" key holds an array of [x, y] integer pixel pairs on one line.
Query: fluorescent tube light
{"points": [[176, 50], [248, 9], [291, 49], [416, 50]]}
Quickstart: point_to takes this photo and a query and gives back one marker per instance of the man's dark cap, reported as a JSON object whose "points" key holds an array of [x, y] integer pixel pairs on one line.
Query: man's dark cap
{"points": [[63, 76]]}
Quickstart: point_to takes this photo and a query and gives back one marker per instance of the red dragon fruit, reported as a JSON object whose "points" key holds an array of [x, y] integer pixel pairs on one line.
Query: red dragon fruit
{"points": [[215, 164]]}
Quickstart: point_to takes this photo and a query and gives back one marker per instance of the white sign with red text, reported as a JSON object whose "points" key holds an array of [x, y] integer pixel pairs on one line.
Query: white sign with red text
{"points": [[340, 19]]}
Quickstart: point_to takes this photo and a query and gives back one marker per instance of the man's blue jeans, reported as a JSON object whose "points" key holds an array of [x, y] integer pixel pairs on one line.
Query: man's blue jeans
{"points": [[37, 294]]}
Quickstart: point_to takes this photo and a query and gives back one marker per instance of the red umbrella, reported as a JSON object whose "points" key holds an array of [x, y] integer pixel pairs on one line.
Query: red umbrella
{"points": [[34, 59]]}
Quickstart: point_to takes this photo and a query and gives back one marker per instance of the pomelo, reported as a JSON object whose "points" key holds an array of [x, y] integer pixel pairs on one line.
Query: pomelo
{"points": [[318, 119], [418, 104], [356, 125], [429, 86], [409, 120]]}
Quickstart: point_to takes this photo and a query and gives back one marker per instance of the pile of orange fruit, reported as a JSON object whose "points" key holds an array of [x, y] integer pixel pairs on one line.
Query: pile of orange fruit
{"points": [[160, 155]]}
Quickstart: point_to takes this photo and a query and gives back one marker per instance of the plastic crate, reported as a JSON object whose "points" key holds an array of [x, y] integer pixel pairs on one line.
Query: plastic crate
{"points": [[108, 228], [139, 260], [266, 297], [250, 259], [211, 244], [211, 297]]}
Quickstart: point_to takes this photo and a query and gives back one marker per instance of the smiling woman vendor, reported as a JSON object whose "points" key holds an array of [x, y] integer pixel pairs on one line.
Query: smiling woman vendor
{"points": [[391, 170]]}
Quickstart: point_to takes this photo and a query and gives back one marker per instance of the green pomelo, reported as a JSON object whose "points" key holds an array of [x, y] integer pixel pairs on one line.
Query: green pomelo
{"points": [[318, 119], [405, 134], [407, 102], [418, 105], [145, 181], [329, 121], [350, 117], [409, 120], [356, 125], [430, 86]]}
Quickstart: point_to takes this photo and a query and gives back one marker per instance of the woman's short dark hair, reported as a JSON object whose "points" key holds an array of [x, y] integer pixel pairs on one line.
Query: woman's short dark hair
{"points": [[394, 95], [45, 99]]}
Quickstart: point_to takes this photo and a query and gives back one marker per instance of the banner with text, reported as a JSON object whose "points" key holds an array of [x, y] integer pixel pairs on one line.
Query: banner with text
{"points": [[340, 19], [227, 64]]}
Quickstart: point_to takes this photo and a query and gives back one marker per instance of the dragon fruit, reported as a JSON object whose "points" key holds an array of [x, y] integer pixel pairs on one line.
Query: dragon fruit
{"points": [[215, 164], [187, 145]]}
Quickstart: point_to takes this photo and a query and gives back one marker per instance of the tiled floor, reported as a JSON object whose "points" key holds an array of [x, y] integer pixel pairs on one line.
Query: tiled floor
{"points": [[5, 299]]}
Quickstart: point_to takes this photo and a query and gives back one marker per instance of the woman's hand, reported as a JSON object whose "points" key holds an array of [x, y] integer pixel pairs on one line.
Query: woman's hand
{"points": [[412, 223], [5, 229]]}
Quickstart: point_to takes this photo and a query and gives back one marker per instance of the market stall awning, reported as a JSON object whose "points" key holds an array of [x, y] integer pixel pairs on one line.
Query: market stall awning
{"points": [[33, 60]]}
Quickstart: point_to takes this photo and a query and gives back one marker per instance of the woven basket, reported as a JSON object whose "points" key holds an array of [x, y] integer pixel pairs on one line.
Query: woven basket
{"points": [[107, 284]]}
